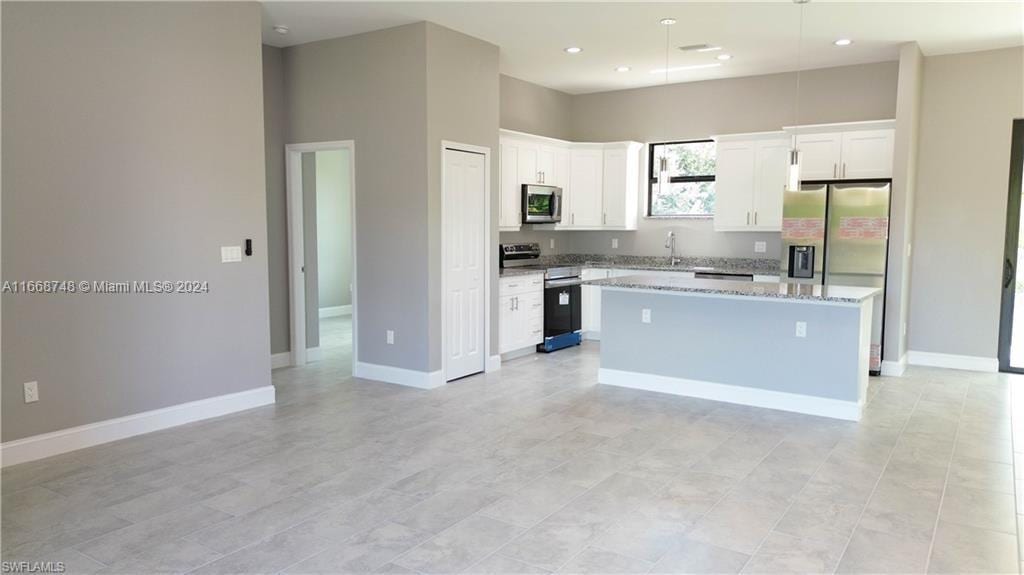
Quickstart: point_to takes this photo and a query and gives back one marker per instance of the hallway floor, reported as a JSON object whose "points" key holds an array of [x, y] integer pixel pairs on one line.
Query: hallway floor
{"points": [[536, 469]]}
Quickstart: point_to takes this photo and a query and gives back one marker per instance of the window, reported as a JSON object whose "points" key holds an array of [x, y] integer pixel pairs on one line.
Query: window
{"points": [[690, 190]]}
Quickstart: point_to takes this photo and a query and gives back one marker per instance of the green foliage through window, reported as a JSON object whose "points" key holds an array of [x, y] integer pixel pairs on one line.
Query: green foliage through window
{"points": [[690, 188]]}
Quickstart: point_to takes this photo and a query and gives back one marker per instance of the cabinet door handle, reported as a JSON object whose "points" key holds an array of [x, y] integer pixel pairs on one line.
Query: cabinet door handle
{"points": [[748, 218], [755, 217], [604, 218], [572, 218], [844, 170], [835, 170]]}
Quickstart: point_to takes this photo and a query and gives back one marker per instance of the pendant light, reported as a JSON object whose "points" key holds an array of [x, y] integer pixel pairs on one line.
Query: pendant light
{"points": [[793, 174], [663, 175]]}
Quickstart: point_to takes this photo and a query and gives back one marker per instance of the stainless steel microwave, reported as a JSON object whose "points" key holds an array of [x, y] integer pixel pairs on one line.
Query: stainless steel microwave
{"points": [[542, 204]]}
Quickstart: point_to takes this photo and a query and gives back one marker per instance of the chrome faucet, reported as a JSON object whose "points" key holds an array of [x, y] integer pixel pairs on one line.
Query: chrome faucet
{"points": [[670, 245]]}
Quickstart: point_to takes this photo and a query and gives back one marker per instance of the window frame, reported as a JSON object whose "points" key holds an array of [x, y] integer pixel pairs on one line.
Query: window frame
{"points": [[652, 178]]}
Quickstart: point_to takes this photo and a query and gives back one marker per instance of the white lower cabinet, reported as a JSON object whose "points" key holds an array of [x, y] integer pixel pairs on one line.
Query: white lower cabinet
{"points": [[521, 317]]}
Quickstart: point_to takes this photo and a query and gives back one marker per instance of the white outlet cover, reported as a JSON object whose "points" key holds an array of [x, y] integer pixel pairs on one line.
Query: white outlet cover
{"points": [[31, 391], [645, 315], [615, 243], [801, 329], [551, 243], [230, 254], [391, 337], [760, 247]]}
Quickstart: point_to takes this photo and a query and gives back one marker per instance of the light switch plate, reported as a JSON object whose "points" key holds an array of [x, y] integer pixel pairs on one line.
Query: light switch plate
{"points": [[760, 247], [645, 315], [230, 254], [551, 243], [615, 243], [31, 391], [801, 329]]}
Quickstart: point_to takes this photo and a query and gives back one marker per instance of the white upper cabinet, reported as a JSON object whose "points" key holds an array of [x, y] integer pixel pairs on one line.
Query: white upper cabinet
{"points": [[621, 186], [772, 164], [734, 184], [510, 202], [600, 182], [585, 195], [851, 151], [820, 155], [867, 154]]}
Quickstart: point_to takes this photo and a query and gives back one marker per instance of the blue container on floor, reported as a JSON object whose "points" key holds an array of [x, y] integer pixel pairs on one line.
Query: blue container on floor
{"points": [[557, 342]]}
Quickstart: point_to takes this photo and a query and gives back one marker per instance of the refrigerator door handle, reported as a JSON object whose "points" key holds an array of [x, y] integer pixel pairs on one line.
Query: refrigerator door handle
{"points": [[1007, 273]]}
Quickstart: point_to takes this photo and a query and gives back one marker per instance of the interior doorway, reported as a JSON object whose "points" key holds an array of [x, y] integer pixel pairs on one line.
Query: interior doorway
{"points": [[1011, 322], [322, 248]]}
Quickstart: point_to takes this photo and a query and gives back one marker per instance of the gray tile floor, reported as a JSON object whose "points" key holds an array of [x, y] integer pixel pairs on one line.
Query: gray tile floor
{"points": [[536, 469]]}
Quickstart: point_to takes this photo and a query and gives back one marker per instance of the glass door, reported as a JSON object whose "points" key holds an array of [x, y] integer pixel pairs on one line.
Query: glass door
{"points": [[1011, 323]]}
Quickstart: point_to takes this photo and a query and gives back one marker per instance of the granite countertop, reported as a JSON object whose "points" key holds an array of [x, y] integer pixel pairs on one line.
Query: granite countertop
{"points": [[751, 266], [808, 292], [511, 272]]}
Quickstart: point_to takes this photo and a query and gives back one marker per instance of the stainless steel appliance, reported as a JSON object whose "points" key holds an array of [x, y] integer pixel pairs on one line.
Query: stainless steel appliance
{"points": [[846, 226], [542, 204], [563, 313]]}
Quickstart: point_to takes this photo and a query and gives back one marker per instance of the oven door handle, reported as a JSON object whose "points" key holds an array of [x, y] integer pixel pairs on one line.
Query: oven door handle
{"points": [[562, 283]]}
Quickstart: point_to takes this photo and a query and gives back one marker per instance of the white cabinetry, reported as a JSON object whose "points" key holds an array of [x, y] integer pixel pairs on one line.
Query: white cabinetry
{"points": [[600, 182], [521, 320], [750, 177], [590, 304], [582, 203], [853, 151]]}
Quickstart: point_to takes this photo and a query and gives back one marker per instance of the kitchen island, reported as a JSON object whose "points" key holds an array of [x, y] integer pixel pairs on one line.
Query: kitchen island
{"points": [[795, 347]]}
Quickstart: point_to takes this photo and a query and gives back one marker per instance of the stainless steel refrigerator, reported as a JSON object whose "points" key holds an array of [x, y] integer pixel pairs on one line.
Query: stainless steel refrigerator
{"points": [[848, 225]]}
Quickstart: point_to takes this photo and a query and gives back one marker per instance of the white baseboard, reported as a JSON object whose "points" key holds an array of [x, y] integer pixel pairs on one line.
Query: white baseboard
{"points": [[65, 440], [279, 360], [398, 375], [517, 353], [335, 311], [825, 407], [592, 335], [493, 364], [314, 354], [894, 368], [952, 361]]}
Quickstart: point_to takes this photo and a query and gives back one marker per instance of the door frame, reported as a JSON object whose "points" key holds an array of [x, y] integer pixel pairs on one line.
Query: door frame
{"points": [[297, 245], [489, 363], [1010, 263]]}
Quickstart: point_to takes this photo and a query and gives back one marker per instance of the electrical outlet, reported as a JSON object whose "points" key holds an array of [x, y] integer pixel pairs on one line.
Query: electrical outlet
{"points": [[801, 329], [391, 337], [551, 243], [615, 243], [760, 247], [645, 315], [904, 329], [31, 392]]}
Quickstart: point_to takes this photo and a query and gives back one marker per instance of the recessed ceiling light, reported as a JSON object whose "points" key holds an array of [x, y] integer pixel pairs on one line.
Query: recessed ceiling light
{"points": [[281, 29], [684, 68], [573, 50], [724, 57], [843, 42], [667, 21], [622, 68]]}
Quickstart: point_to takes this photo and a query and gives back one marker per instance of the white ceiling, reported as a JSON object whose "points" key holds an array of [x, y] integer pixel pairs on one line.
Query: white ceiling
{"points": [[761, 36]]}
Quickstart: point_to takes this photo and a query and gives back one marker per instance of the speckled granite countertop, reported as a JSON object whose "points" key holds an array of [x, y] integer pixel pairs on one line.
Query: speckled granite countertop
{"points": [[820, 293], [751, 266], [512, 272]]}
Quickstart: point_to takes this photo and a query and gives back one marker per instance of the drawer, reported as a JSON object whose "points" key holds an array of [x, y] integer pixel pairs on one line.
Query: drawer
{"points": [[521, 284]]}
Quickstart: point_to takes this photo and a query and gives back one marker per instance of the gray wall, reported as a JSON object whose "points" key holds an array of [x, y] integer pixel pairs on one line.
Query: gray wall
{"points": [[371, 88], [462, 106], [901, 209], [968, 102], [134, 149], [535, 109], [334, 228], [277, 206], [697, 110]]}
